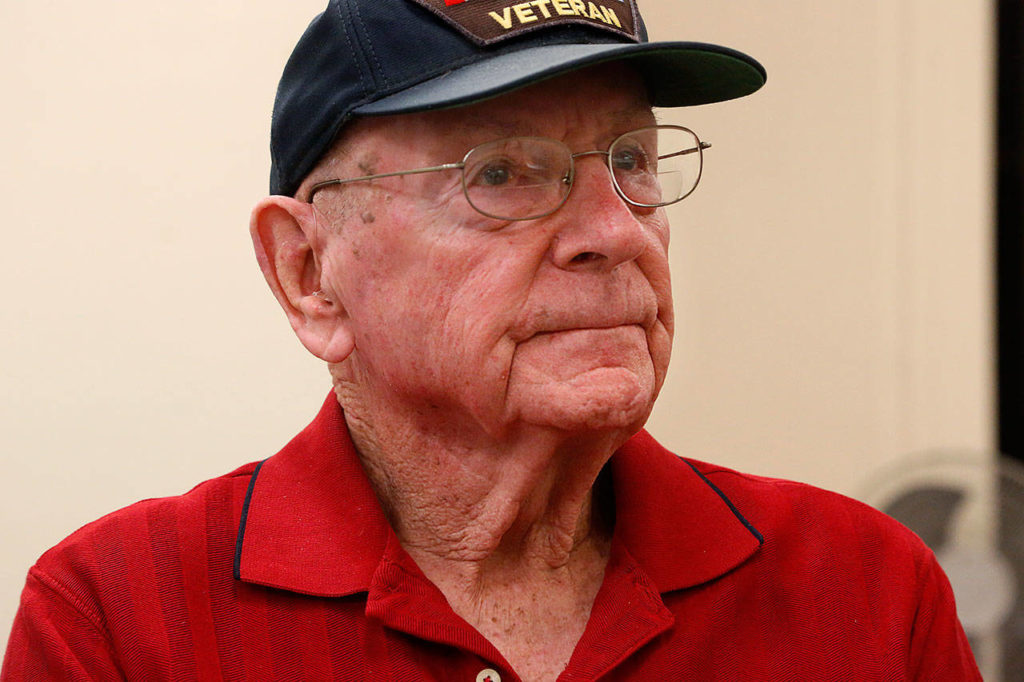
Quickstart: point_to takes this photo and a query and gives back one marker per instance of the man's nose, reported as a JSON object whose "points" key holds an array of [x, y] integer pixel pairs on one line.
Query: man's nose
{"points": [[597, 228]]}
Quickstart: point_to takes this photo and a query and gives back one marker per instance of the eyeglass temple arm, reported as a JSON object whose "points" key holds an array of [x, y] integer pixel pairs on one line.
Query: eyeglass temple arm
{"points": [[327, 183], [691, 150]]}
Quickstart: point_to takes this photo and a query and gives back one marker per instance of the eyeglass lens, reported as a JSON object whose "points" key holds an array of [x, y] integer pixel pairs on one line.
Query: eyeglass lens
{"points": [[529, 177], [517, 178]]}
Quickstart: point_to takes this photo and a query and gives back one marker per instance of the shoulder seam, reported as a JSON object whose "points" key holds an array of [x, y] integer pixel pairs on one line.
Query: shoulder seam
{"points": [[764, 480], [71, 599]]}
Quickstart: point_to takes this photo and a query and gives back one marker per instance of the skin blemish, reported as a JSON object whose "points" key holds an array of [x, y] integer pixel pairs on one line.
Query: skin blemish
{"points": [[367, 217]]}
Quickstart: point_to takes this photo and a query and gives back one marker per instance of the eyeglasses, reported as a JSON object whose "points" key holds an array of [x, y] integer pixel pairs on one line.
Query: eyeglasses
{"points": [[524, 178]]}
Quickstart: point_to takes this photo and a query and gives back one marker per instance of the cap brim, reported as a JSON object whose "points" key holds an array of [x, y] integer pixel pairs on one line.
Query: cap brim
{"points": [[677, 73]]}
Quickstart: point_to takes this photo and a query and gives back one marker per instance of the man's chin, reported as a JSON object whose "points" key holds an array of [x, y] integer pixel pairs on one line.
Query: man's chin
{"points": [[603, 399]]}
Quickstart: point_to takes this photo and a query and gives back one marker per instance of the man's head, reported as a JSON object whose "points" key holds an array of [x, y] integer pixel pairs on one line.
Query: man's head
{"points": [[426, 304], [428, 308]]}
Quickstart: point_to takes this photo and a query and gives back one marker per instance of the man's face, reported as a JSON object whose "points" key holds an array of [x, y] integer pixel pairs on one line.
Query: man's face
{"points": [[563, 321]]}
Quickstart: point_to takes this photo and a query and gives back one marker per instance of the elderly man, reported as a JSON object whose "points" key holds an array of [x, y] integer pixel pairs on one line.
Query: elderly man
{"points": [[467, 225]]}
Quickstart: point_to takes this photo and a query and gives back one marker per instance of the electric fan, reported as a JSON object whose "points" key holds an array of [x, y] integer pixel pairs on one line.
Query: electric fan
{"points": [[969, 508]]}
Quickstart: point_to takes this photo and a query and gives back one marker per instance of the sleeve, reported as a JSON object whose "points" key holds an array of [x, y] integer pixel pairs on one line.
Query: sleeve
{"points": [[56, 637], [939, 649]]}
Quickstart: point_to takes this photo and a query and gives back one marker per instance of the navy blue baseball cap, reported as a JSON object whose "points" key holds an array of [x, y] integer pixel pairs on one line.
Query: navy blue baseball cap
{"points": [[379, 57]]}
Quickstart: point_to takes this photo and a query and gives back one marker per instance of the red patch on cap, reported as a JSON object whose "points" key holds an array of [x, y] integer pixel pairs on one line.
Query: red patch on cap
{"points": [[491, 21]]}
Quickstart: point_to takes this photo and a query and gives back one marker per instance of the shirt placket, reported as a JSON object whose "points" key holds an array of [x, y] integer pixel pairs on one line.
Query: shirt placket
{"points": [[627, 614], [403, 600]]}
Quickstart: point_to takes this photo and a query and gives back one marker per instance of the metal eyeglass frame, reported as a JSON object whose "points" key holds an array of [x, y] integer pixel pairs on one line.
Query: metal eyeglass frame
{"points": [[568, 179]]}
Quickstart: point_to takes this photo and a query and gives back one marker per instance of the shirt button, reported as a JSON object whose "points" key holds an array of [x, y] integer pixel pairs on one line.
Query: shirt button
{"points": [[488, 675]]}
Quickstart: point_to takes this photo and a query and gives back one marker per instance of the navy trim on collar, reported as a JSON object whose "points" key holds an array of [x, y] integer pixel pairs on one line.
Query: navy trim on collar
{"points": [[743, 520], [679, 527], [237, 570]]}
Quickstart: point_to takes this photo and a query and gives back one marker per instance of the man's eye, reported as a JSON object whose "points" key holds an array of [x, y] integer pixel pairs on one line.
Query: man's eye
{"points": [[630, 159], [496, 171], [494, 175], [510, 173]]}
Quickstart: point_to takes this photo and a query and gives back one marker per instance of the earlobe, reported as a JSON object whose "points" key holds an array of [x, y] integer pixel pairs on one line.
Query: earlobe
{"points": [[283, 233]]}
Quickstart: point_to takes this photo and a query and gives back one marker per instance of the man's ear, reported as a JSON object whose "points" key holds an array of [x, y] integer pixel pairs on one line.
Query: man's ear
{"points": [[284, 236]]}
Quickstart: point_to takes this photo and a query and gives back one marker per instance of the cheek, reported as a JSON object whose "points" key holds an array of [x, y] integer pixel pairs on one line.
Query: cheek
{"points": [[476, 308], [661, 283], [658, 273], [450, 311], [433, 298]]}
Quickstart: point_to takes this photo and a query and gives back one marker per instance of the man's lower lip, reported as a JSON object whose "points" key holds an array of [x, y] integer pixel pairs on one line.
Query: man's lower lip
{"points": [[580, 329], [596, 333]]}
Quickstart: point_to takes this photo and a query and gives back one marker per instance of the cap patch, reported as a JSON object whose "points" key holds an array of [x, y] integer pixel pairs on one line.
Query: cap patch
{"points": [[491, 21]]}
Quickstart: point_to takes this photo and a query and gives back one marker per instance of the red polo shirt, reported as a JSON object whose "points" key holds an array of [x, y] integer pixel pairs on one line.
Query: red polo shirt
{"points": [[288, 570]]}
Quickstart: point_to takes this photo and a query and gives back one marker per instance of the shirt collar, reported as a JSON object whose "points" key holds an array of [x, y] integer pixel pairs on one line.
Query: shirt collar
{"points": [[678, 525], [312, 523]]}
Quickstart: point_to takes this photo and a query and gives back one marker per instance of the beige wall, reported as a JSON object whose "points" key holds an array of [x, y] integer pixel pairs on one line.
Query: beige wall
{"points": [[832, 272]]}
